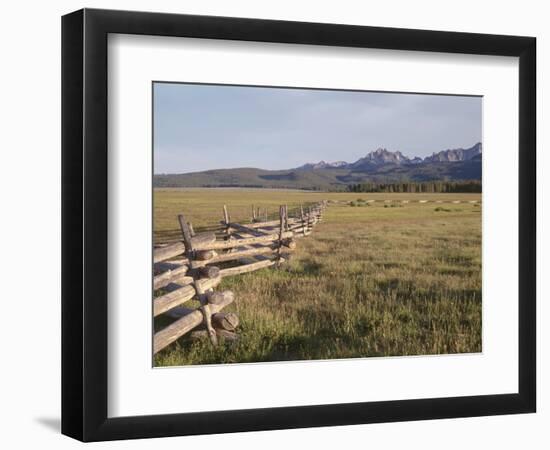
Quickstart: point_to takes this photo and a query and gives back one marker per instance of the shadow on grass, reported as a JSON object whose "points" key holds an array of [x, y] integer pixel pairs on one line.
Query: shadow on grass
{"points": [[310, 267]]}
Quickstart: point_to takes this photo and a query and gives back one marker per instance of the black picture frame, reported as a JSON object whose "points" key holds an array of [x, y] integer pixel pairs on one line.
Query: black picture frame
{"points": [[84, 224]]}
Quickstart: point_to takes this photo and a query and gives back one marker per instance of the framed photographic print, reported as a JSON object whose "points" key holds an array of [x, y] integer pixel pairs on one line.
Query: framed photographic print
{"points": [[272, 224]]}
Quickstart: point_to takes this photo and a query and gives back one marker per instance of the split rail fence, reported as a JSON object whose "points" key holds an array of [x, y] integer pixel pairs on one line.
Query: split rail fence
{"points": [[193, 267]]}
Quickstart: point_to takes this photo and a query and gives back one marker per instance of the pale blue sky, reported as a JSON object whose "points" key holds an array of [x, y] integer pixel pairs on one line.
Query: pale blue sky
{"points": [[202, 127]]}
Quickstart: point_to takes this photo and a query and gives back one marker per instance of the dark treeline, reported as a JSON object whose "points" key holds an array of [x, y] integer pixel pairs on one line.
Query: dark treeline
{"points": [[424, 186]]}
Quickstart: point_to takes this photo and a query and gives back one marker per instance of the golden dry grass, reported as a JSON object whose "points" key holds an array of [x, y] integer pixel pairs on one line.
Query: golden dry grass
{"points": [[378, 280]]}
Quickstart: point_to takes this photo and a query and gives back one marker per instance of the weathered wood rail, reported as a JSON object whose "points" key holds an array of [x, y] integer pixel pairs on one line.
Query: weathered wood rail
{"points": [[184, 271]]}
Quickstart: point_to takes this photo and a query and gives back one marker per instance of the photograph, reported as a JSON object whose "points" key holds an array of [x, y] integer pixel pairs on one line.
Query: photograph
{"points": [[314, 224]]}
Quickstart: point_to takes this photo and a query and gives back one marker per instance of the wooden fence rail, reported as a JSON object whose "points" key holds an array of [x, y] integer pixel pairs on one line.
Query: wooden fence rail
{"points": [[184, 270]]}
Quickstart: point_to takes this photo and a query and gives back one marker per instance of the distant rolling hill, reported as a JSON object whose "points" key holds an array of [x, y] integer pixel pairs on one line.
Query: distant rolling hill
{"points": [[378, 166]]}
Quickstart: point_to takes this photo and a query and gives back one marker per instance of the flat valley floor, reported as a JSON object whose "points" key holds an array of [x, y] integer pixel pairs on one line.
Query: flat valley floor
{"points": [[373, 279]]}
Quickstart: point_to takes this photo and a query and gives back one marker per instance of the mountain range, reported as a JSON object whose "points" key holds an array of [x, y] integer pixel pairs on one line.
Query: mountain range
{"points": [[379, 166], [382, 156]]}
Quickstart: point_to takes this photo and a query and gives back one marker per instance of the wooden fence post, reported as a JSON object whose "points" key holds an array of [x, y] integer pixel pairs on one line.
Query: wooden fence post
{"points": [[281, 231], [205, 308], [226, 220], [303, 220]]}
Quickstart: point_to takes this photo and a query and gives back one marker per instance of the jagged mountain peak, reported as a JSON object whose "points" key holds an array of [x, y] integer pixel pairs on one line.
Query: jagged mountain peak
{"points": [[323, 165], [456, 154], [381, 156]]}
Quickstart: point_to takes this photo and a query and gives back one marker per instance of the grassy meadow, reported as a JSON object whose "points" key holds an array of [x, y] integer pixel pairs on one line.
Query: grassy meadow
{"points": [[378, 279]]}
